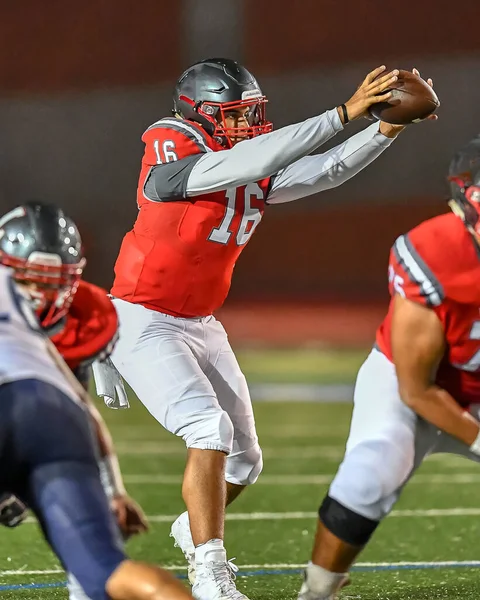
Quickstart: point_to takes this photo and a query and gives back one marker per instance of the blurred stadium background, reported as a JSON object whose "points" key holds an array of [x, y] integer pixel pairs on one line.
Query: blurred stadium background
{"points": [[79, 83]]}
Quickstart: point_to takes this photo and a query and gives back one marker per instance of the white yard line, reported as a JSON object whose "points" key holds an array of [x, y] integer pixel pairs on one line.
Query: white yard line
{"points": [[281, 516], [372, 565], [286, 516], [443, 478], [150, 433], [293, 453]]}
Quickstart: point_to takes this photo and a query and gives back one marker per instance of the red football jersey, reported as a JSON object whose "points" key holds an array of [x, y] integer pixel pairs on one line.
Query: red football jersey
{"points": [[437, 265], [91, 327], [179, 256]]}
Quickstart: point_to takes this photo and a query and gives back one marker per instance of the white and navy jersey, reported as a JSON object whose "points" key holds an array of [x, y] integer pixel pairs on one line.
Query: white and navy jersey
{"points": [[23, 345]]}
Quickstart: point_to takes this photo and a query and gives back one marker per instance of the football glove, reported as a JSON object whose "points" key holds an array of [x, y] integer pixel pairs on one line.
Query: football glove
{"points": [[12, 510]]}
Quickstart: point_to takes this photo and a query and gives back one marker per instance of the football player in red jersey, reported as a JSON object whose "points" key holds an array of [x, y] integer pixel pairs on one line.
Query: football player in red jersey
{"points": [[208, 172], [418, 392], [43, 248]]}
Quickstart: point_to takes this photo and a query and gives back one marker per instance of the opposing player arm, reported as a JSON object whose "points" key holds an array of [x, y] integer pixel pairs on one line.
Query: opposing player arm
{"points": [[312, 174], [130, 516], [418, 344], [251, 160], [109, 467]]}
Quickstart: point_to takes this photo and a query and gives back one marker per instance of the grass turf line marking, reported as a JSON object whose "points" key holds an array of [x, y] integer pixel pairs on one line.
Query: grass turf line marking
{"points": [[285, 516], [444, 478], [172, 449], [281, 569], [294, 566]]}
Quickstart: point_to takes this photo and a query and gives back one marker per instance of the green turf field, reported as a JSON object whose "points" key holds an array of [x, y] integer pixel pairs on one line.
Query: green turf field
{"points": [[305, 365], [270, 528]]}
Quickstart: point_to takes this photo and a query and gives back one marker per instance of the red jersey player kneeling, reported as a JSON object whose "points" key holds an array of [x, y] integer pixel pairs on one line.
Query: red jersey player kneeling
{"points": [[418, 391]]}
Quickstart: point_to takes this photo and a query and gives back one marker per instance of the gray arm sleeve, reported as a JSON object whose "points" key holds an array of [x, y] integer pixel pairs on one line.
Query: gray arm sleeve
{"points": [[313, 174], [262, 156], [168, 182]]}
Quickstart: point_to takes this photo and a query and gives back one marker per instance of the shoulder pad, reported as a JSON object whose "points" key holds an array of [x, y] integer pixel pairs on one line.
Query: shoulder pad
{"points": [[172, 127]]}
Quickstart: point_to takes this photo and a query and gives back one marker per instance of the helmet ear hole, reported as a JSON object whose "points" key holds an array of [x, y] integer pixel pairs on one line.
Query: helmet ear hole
{"points": [[472, 194]]}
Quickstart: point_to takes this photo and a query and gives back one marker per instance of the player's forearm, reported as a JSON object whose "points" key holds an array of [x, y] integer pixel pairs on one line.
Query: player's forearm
{"points": [[262, 156], [437, 406], [313, 174], [104, 438], [109, 466], [110, 473]]}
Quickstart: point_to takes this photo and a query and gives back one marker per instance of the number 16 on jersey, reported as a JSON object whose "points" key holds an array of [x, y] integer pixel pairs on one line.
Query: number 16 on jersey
{"points": [[251, 216]]}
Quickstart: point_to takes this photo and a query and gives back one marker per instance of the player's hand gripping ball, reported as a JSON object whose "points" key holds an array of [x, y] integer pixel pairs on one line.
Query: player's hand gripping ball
{"points": [[412, 100]]}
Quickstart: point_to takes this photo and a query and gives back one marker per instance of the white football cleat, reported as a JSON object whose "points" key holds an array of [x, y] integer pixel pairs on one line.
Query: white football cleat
{"points": [[182, 535], [306, 592], [215, 576]]}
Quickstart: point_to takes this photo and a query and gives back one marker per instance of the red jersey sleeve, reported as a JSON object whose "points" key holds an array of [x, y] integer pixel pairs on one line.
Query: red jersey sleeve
{"points": [[91, 327], [409, 273], [172, 139]]}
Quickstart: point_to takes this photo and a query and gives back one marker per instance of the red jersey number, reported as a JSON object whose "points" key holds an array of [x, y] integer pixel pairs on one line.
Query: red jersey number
{"points": [[251, 216], [396, 282]]}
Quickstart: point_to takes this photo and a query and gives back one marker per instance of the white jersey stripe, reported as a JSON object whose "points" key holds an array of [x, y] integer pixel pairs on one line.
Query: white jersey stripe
{"points": [[417, 272], [185, 128]]}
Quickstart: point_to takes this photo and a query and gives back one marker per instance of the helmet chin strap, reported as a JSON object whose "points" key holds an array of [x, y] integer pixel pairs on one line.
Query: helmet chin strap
{"points": [[456, 209]]}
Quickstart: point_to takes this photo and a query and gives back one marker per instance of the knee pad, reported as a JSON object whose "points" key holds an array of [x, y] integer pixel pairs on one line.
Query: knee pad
{"points": [[244, 467], [347, 525], [209, 429], [371, 476]]}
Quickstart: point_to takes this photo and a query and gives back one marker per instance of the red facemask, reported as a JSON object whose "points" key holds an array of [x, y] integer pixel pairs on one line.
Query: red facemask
{"points": [[51, 284], [215, 112]]}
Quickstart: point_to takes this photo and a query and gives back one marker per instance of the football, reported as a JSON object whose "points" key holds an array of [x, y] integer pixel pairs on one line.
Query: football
{"points": [[412, 100]]}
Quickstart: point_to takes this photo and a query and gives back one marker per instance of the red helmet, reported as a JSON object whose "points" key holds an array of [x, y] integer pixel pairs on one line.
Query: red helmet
{"points": [[464, 178], [209, 89], [44, 248]]}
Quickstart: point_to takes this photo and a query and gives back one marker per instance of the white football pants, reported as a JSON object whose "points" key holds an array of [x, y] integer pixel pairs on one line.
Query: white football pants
{"points": [[186, 374], [386, 444]]}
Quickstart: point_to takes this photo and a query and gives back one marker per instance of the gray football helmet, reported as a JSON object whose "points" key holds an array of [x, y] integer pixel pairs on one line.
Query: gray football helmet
{"points": [[207, 90], [44, 248]]}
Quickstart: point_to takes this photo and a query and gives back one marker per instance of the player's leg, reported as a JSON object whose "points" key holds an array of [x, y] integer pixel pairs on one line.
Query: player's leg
{"points": [[386, 444], [57, 475], [161, 361], [77, 522], [244, 463], [155, 355]]}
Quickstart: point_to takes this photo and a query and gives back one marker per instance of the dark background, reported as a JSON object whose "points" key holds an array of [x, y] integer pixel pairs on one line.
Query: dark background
{"points": [[79, 83]]}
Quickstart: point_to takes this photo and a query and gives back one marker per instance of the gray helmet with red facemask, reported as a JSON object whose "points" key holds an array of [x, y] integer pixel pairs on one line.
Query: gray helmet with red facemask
{"points": [[44, 248], [464, 178], [207, 90]]}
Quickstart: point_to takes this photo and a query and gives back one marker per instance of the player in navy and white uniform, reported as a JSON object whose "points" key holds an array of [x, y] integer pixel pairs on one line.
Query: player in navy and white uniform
{"points": [[48, 454], [418, 392], [208, 175]]}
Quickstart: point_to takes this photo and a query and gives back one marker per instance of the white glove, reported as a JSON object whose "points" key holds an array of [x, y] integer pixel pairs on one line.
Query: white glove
{"points": [[109, 384]]}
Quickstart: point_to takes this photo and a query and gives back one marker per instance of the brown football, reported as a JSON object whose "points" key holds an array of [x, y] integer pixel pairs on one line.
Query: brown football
{"points": [[412, 100]]}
